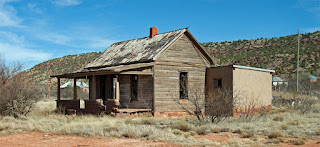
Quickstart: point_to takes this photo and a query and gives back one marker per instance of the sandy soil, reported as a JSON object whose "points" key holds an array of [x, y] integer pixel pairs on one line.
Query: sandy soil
{"points": [[51, 139], [226, 137]]}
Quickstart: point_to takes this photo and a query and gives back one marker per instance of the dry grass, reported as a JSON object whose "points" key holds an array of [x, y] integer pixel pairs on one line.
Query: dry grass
{"points": [[216, 130], [290, 95], [182, 125], [247, 134], [298, 141], [176, 130], [275, 134], [202, 130]]}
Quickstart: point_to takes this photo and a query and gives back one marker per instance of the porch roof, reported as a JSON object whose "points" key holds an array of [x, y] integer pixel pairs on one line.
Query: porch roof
{"points": [[120, 69]]}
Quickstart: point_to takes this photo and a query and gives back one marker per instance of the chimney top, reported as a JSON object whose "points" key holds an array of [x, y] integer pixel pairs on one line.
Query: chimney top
{"points": [[153, 32]]}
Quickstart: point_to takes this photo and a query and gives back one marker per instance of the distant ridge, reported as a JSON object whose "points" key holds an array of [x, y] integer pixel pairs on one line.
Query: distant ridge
{"points": [[276, 53]]}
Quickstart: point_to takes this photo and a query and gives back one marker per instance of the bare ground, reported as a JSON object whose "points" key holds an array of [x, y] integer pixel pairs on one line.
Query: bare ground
{"points": [[52, 139]]}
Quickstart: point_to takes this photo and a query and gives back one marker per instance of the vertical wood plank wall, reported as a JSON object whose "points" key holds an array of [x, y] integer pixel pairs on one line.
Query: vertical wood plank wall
{"points": [[182, 56], [145, 90]]}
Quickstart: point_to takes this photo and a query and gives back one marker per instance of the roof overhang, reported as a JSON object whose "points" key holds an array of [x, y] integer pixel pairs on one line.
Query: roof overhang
{"points": [[120, 69], [253, 68]]}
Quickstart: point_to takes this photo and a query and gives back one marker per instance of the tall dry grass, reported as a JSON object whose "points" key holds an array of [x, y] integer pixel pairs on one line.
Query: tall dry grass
{"points": [[176, 130]]}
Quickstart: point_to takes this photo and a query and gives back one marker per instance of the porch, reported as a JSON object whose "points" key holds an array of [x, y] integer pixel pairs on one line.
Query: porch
{"points": [[113, 90]]}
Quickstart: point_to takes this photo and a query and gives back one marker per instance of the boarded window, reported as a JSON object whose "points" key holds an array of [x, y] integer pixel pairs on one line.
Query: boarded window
{"points": [[217, 83], [134, 87], [183, 85]]}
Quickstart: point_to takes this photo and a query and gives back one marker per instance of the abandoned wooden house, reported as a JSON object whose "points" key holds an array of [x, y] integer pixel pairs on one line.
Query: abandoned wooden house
{"points": [[143, 75]]}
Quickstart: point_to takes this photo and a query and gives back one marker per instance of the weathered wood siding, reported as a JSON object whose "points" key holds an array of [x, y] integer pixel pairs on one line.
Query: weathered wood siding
{"points": [[145, 92], [124, 82], [182, 56], [108, 87]]}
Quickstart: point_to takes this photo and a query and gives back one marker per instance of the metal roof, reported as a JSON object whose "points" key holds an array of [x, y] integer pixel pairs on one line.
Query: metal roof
{"points": [[253, 68], [312, 77], [79, 84], [277, 79]]}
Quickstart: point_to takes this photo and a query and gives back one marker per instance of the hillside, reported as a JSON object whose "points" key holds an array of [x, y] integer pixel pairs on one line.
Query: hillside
{"points": [[276, 53], [41, 72]]}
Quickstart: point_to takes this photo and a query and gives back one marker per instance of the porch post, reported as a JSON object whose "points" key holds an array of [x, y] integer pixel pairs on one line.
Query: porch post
{"points": [[94, 87], [117, 90], [58, 90], [74, 89]]}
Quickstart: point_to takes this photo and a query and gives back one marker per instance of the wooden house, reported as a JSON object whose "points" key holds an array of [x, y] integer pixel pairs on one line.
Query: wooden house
{"points": [[143, 74]]}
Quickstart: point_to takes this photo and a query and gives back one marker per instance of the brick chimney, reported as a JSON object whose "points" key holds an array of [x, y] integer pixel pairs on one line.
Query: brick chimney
{"points": [[153, 31]]}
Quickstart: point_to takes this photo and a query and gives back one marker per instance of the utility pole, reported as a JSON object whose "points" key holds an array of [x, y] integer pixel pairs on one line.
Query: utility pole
{"points": [[48, 83], [298, 62]]}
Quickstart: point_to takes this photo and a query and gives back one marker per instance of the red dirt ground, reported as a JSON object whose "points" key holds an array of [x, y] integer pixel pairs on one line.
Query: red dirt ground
{"points": [[52, 139]]}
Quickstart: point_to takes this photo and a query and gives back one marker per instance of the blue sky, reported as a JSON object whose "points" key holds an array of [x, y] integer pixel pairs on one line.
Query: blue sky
{"points": [[33, 31]]}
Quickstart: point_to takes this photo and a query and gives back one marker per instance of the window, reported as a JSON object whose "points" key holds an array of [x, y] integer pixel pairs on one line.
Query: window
{"points": [[134, 87], [183, 85], [217, 83]]}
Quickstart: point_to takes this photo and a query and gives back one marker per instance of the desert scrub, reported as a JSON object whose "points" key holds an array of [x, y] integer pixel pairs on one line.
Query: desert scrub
{"points": [[298, 141], [129, 134], [182, 125], [98, 126], [177, 132], [293, 122], [246, 134], [148, 121], [284, 126], [215, 130], [278, 118], [275, 134], [112, 128], [225, 129], [202, 130], [317, 132]]}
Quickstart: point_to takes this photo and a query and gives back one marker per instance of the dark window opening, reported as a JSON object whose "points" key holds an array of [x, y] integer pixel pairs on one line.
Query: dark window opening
{"points": [[134, 87], [183, 85], [217, 83]]}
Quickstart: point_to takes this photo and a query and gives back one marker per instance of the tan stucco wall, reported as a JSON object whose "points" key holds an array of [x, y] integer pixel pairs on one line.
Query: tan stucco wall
{"points": [[253, 85], [214, 100], [224, 73]]}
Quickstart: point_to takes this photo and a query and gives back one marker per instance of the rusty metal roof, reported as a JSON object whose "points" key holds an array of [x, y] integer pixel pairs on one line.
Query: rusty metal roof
{"points": [[135, 51]]}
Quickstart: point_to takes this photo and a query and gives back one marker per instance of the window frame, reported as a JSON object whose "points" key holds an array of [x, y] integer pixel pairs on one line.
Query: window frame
{"points": [[217, 83], [185, 95]]}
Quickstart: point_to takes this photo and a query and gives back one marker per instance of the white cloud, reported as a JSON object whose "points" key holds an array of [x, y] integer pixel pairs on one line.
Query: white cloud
{"points": [[8, 15], [312, 6], [14, 48], [34, 8], [66, 2], [310, 30], [53, 37], [19, 53], [12, 38], [97, 42]]}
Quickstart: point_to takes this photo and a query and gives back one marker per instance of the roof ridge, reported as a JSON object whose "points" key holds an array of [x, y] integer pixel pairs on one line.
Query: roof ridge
{"points": [[148, 36]]}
